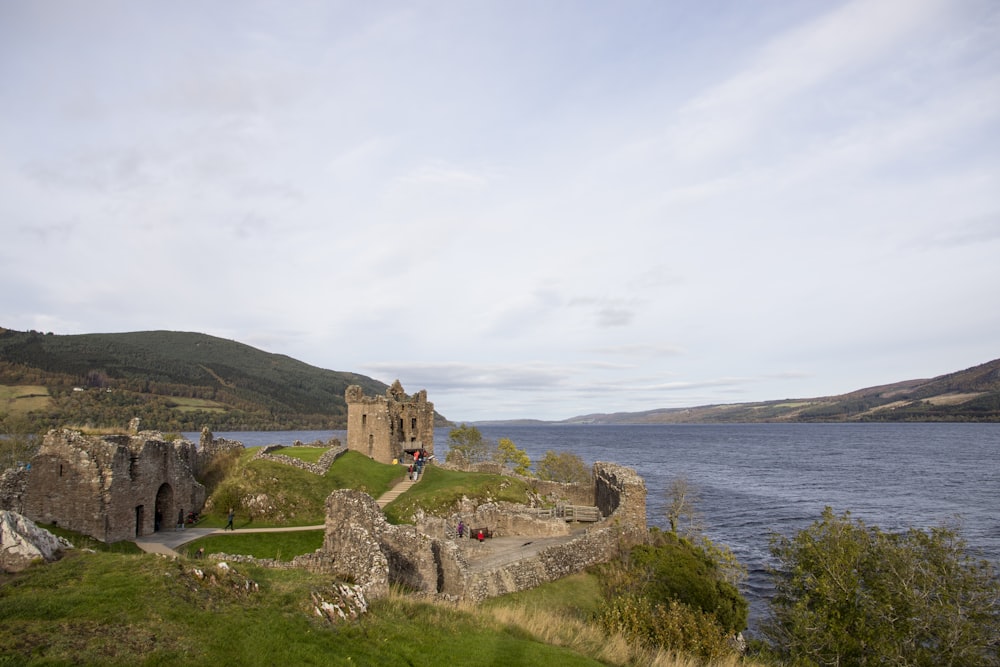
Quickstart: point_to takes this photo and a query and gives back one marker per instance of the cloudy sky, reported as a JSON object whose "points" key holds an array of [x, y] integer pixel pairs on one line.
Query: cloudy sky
{"points": [[530, 209]]}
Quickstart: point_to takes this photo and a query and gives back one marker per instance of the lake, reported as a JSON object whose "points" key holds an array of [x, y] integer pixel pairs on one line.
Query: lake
{"points": [[757, 479]]}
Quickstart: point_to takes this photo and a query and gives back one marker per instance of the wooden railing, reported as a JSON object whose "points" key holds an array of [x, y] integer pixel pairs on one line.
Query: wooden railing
{"points": [[568, 513]]}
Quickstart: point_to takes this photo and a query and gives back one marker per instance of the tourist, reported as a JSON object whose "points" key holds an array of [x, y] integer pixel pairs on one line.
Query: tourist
{"points": [[461, 529], [480, 536], [232, 515]]}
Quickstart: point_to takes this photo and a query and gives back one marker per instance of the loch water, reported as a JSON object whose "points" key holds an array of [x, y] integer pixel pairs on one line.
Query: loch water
{"points": [[754, 480]]}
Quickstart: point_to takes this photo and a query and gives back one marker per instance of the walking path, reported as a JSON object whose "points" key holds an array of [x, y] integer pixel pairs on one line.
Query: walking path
{"points": [[166, 542]]}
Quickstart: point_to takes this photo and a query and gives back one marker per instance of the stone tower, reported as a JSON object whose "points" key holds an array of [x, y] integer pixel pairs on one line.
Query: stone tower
{"points": [[384, 428]]}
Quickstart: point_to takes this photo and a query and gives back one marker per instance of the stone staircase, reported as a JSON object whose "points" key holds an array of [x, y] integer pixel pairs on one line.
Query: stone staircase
{"points": [[394, 492]]}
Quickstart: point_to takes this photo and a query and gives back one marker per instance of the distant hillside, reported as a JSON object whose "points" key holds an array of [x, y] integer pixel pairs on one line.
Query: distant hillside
{"points": [[173, 381], [971, 395]]}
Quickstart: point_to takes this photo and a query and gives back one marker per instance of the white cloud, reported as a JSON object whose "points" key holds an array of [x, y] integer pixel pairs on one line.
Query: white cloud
{"points": [[537, 213]]}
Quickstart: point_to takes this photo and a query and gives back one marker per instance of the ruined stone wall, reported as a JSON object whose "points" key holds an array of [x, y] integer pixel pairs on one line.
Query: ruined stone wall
{"points": [[112, 487], [621, 496], [210, 447], [273, 453], [620, 492], [382, 427], [13, 482], [360, 544]]}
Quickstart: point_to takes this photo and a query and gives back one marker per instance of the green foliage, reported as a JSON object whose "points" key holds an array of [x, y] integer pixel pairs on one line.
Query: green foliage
{"points": [[466, 445], [671, 594], [671, 625], [18, 443], [847, 593], [563, 467], [509, 456], [675, 568]]}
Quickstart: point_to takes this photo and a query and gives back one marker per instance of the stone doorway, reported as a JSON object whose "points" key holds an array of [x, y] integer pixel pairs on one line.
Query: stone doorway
{"points": [[164, 507], [140, 516]]}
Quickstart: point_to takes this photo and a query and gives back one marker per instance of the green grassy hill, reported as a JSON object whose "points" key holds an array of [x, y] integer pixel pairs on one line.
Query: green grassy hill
{"points": [[173, 381]]}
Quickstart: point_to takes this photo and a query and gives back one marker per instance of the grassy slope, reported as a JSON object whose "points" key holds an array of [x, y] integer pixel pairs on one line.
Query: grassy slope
{"points": [[110, 609], [298, 496]]}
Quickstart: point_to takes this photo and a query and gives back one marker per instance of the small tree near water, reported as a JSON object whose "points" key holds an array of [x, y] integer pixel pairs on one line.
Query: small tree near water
{"points": [[563, 467], [466, 445]]}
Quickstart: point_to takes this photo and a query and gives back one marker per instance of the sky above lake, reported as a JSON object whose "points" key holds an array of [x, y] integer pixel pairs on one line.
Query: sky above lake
{"points": [[530, 209]]}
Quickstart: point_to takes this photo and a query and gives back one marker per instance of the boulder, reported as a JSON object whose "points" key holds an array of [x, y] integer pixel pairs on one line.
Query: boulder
{"points": [[22, 542]]}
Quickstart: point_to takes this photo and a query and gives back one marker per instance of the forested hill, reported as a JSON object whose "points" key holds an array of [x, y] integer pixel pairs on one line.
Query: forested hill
{"points": [[174, 381], [970, 395]]}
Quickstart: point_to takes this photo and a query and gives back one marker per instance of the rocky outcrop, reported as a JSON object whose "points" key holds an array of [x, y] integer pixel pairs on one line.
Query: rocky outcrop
{"points": [[23, 543]]}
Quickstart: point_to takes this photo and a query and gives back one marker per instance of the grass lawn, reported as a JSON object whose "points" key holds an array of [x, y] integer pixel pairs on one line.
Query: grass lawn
{"points": [[282, 546], [307, 454], [439, 490]]}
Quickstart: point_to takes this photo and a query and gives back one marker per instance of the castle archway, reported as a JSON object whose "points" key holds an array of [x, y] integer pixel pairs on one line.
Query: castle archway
{"points": [[164, 506]]}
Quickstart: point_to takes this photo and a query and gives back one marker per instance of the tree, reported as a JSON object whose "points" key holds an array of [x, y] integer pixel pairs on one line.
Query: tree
{"points": [[19, 442], [466, 445], [507, 454], [681, 501], [682, 508], [847, 593], [563, 467]]}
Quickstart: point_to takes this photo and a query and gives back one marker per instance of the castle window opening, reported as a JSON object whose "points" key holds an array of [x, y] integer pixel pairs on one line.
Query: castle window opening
{"points": [[413, 423], [364, 420]]}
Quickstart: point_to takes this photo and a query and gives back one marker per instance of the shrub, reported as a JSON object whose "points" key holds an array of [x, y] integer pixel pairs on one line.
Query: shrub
{"points": [[847, 593]]}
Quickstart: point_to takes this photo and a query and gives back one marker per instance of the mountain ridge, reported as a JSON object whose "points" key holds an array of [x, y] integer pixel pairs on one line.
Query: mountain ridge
{"points": [[972, 394], [181, 381], [171, 380]]}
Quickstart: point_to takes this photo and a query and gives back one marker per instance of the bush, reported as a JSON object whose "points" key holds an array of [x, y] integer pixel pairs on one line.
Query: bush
{"points": [[673, 625], [847, 593], [671, 594], [675, 569], [563, 467]]}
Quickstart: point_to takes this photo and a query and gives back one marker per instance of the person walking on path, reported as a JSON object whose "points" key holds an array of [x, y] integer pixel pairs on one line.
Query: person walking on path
{"points": [[232, 515]]}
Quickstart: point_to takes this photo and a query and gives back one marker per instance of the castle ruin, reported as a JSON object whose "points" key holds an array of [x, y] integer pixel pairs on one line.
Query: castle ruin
{"points": [[112, 487], [384, 428]]}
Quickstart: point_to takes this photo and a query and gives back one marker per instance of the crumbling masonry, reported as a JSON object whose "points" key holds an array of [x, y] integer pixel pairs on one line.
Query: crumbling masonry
{"points": [[384, 427], [363, 546], [112, 487]]}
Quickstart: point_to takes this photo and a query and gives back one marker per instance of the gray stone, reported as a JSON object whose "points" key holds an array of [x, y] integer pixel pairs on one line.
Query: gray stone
{"points": [[23, 543]]}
